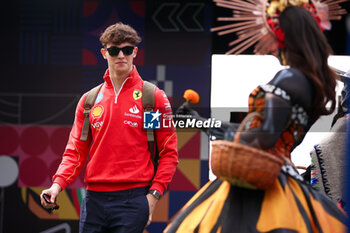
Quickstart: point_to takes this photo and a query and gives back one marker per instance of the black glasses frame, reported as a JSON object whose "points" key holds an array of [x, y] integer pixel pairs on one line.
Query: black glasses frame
{"points": [[114, 51]]}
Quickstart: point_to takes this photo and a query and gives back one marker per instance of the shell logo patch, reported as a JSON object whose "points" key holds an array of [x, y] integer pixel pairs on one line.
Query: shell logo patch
{"points": [[137, 94], [97, 111]]}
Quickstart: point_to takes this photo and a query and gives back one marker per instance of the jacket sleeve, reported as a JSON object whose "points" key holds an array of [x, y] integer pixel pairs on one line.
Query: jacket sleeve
{"points": [[166, 142], [275, 117], [277, 110], [76, 151]]}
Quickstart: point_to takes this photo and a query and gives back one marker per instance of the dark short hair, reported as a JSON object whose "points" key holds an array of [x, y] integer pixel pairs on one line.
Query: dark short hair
{"points": [[119, 33]]}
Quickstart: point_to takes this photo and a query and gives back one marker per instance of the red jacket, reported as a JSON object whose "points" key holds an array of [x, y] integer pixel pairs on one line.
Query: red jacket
{"points": [[117, 147]]}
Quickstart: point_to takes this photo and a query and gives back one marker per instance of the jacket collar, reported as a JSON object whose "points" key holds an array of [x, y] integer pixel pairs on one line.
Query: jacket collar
{"points": [[132, 79]]}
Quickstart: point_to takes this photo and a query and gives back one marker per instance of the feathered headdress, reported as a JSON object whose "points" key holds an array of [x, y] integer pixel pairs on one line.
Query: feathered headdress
{"points": [[257, 21]]}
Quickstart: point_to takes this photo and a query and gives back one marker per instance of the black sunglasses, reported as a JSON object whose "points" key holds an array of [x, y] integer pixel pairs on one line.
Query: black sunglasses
{"points": [[114, 51]]}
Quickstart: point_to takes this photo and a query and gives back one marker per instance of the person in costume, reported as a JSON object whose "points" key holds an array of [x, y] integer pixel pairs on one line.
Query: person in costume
{"points": [[327, 169], [289, 105]]}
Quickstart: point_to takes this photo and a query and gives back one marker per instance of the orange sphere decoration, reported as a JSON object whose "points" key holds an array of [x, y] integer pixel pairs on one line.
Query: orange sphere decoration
{"points": [[191, 96]]}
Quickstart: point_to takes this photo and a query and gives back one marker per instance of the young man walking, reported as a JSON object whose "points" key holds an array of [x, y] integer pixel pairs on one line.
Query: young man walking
{"points": [[122, 185]]}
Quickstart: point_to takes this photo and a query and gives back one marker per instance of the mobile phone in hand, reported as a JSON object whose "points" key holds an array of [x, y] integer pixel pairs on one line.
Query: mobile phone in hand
{"points": [[47, 199]]}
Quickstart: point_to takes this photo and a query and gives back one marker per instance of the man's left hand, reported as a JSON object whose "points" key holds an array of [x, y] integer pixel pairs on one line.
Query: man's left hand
{"points": [[152, 202]]}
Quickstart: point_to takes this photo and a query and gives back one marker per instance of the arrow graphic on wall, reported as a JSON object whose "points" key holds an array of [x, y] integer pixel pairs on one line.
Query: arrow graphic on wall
{"points": [[187, 17], [169, 15]]}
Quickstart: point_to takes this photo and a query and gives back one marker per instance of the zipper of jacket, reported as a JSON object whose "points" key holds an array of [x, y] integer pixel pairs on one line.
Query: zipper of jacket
{"points": [[117, 94]]}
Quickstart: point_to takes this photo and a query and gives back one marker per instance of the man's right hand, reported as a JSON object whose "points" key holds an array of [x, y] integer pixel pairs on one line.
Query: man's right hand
{"points": [[53, 192]]}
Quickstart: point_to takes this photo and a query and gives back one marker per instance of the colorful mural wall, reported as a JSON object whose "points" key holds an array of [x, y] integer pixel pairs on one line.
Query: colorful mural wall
{"points": [[35, 153]]}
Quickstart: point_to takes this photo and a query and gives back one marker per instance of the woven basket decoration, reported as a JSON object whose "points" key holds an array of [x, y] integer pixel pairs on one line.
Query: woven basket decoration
{"points": [[243, 165]]}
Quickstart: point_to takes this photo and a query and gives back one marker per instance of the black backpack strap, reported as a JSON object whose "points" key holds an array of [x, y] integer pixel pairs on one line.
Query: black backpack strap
{"points": [[89, 102], [148, 105]]}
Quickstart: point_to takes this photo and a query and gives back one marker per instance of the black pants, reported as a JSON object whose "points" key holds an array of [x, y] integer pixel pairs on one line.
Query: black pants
{"points": [[114, 212]]}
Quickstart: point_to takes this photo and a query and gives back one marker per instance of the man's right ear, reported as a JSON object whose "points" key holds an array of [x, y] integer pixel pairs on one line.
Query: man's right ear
{"points": [[103, 52]]}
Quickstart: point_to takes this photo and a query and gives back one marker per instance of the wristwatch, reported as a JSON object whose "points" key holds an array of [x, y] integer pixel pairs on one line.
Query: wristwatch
{"points": [[155, 193]]}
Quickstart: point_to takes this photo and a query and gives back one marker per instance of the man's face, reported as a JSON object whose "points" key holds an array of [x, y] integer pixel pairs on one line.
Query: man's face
{"points": [[119, 61]]}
